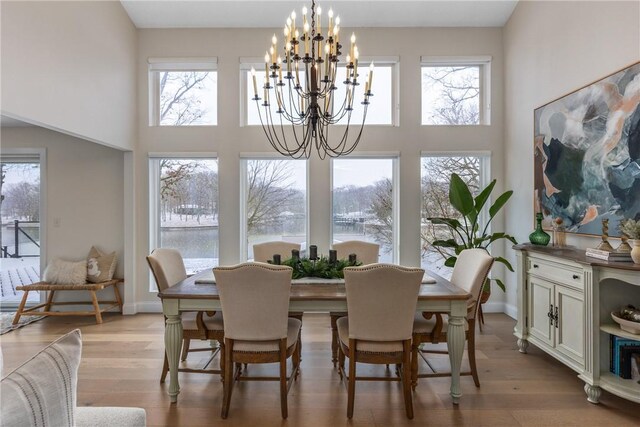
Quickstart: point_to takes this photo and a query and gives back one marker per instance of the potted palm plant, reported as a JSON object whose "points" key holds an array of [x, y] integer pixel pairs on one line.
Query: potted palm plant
{"points": [[466, 227]]}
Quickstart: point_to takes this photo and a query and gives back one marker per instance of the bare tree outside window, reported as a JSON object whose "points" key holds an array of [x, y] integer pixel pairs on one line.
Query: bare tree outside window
{"points": [[451, 95], [189, 210], [363, 202], [276, 201], [436, 176], [188, 98]]}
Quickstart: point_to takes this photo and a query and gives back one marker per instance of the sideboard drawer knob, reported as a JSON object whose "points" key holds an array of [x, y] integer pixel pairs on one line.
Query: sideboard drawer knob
{"points": [[535, 265], [575, 276]]}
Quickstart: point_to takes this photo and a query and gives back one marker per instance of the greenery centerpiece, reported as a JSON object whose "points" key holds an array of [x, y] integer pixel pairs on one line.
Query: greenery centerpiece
{"points": [[322, 267], [466, 228]]}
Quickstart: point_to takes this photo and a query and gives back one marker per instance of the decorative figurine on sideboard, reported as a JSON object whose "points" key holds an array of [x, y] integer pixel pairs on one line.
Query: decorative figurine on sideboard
{"points": [[604, 244], [559, 233]]}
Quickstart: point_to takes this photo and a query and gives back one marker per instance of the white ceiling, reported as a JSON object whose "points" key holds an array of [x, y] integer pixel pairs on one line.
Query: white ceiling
{"points": [[353, 13]]}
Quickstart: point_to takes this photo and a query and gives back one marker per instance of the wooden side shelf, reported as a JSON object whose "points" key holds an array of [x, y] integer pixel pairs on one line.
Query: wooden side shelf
{"points": [[613, 329], [627, 389], [52, 289]]}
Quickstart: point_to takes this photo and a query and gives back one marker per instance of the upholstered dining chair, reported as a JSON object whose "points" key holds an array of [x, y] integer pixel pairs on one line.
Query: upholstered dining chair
{"points": [[366, 253], [168, 269], [470, 272], [263, 252], [257, 329], [381, 300]]}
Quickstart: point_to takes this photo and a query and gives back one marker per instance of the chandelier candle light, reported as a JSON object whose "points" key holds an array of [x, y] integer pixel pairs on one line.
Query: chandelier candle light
{"points": [[307, 101]]}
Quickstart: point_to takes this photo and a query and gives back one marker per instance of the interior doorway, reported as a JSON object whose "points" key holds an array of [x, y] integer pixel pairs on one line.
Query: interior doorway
{"points": [[20, 225]]}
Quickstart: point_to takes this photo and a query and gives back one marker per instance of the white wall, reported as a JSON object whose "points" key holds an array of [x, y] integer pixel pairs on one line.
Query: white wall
{"points": [[70, 66], [551, 49], [85, 186], [228, 139]]}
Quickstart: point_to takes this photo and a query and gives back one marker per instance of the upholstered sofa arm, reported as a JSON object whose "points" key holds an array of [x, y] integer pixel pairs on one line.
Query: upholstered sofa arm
{"points": [[88, 416]]}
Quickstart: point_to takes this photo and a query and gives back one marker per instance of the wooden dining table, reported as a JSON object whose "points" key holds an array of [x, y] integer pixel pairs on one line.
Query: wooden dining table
{"points": [[199, 293]]}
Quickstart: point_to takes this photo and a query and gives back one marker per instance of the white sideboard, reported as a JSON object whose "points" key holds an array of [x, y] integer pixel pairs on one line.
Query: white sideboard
{"points": [[564, 304]]}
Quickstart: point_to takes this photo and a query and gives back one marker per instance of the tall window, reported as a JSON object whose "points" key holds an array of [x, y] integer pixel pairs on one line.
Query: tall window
{"points": [[182, 92], [363, 202], [455, 91], [20, 226], [435, 176], [275, 203], [380, 111], [184, 209]]}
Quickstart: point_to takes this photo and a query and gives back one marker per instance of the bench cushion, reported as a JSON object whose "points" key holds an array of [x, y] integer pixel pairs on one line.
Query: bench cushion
{"points": [[100, 266], [60, 272], [42, 391]]}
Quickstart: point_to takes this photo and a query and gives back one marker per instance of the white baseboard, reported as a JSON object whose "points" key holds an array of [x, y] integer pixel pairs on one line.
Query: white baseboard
{"points": [[500, 307], [149, 307], [142, 307], [511, 311], [493, 307], [129, 309]]}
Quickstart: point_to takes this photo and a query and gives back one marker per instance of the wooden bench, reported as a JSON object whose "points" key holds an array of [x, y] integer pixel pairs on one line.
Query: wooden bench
{"points": [[52, 289]]}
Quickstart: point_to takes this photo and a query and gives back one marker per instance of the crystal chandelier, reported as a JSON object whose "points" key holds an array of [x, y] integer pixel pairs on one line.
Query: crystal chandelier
{"points": [[302, 85]]}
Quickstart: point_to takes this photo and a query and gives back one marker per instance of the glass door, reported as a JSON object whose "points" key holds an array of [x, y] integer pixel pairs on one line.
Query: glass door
{"points": [[20, 247]]}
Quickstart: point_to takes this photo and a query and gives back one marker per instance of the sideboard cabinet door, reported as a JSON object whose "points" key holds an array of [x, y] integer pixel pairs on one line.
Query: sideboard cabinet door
{"points": [[570, 330], [541, 294]]}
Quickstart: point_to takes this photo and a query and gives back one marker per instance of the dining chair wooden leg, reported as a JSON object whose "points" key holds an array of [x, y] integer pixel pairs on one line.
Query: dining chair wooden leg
{"points": [[228, 377], [415, 347], [351, 389], [283, 378], [222, 358], [165, 369], [335, 344], [406, 378], [471, 349], [186, 343], [481, 315], [297, 356], [341, 357]]}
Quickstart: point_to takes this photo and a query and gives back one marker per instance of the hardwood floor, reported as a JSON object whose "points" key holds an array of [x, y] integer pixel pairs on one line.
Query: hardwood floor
{"points": [[122, 360]]}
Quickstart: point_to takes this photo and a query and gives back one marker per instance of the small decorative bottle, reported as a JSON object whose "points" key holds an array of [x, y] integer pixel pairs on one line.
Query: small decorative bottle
{"points": [[539, 236], [559, 239]]}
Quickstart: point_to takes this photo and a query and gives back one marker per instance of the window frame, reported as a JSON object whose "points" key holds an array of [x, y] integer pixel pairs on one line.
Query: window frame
{"points": [[383, 61], [244, 159], [153, 162], [395, 186], [484, 64], [157, 65]]}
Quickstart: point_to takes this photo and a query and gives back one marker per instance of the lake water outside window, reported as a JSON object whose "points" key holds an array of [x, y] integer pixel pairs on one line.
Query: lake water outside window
{"points": [[276, 204], [188, 210], [363, 202]]}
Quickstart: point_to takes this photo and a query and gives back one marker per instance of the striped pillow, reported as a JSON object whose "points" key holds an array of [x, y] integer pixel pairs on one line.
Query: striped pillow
{"points": [[42, 392]]}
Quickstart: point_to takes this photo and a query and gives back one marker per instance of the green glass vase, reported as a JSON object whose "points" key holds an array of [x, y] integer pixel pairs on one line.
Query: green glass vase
{"points": [[539, 236]]}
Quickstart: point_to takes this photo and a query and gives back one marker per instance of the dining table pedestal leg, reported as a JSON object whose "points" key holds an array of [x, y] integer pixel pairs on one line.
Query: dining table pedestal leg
{"points": [[455, 344], [172, 341]]}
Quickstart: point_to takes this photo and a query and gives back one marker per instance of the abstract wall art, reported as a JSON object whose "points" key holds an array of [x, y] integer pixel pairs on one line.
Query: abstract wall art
{"points": [[587, 154]]}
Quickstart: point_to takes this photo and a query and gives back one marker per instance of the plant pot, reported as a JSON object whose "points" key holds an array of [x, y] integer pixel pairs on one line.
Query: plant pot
{"points": [[484, 296], [635, 251]]}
